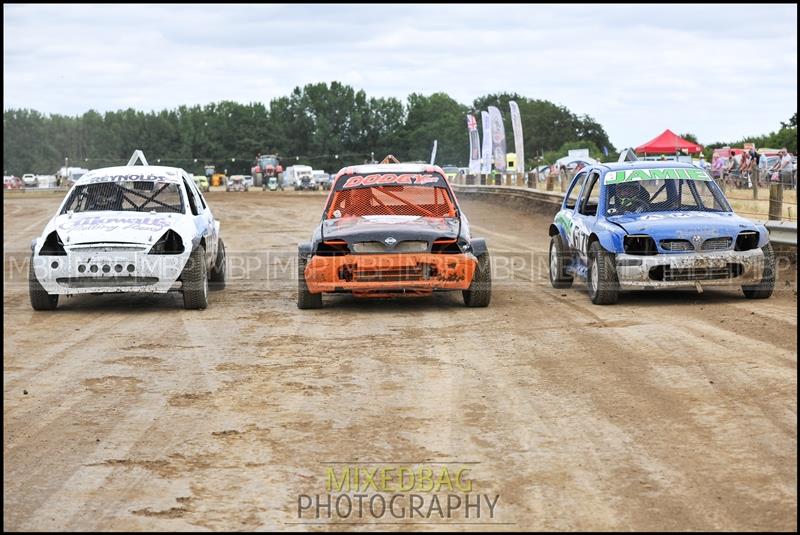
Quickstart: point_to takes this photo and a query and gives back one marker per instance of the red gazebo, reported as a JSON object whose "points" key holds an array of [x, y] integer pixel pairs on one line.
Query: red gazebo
{"points": [[668, 142]]}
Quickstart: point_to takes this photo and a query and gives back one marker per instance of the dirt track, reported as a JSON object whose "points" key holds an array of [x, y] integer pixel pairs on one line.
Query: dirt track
{"points": [[673, 411]]}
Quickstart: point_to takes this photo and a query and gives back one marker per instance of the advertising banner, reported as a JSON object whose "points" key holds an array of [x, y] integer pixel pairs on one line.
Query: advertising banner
{"points": [[498, 139], [486, 150], [474, 145], [519, 143]]}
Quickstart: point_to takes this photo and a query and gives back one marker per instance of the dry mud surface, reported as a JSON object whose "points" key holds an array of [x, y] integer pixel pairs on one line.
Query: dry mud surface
{"points": [[671, 410]]}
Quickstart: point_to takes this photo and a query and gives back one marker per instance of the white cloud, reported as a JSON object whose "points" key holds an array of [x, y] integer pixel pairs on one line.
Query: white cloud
{"points": [[721, 72]]}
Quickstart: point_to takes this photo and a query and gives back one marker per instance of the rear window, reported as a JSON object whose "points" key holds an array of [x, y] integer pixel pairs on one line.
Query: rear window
{"points": [[422, 195], [129, 196]]}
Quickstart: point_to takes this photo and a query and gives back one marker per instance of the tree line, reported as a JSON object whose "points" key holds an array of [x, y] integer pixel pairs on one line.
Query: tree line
{"points": [[323, 125]]}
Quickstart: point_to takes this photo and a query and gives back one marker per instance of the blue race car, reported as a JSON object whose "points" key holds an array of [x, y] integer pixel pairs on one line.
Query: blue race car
{"points": [[647, 225]]}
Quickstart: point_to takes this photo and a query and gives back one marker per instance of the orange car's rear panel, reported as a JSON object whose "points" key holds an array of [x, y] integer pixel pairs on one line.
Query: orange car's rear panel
{"points": [[378, 275]]}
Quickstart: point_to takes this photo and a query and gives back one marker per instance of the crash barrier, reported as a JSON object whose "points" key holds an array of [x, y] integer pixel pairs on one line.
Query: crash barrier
{"points": [[496, 179], [544, 181], [545, 203], [548, 203], [782, 232]]}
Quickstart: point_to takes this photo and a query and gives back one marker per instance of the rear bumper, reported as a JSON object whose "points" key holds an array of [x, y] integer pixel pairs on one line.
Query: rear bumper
{"points": [[420, 272], [678, 270]]}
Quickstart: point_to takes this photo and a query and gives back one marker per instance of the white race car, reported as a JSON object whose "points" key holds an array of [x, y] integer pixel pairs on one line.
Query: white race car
{"points": [[135, 228]]}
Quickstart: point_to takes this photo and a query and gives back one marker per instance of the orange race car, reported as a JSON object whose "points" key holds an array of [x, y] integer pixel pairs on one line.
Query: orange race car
{"points": [[390, 230]]}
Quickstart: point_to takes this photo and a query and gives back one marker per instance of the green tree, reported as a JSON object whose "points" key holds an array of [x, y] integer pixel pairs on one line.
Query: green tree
{"points": [[314, 124], [435, 117]]}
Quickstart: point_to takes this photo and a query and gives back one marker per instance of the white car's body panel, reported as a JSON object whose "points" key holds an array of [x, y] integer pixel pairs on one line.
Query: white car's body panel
{"points": [[108, 251]]}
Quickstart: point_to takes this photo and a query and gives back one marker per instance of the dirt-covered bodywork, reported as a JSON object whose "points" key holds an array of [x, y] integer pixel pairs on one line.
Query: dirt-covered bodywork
{"points": [[129, 229], [393, 229], [651, 225]]}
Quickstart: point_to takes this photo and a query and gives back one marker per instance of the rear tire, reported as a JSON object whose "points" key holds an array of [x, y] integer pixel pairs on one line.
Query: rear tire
{"points": [[763, 289], [219, 271], [602, 281], [195, 281], [558, 272], [479, 293], [305, 299], [40, 299]]}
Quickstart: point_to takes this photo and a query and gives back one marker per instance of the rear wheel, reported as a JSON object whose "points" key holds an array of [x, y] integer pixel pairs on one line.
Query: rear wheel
{"points": [[558, 269], [40, 299], [195, 281], [305, 299], [603, 283], [219, 271], [763, 289], [479, 293]]}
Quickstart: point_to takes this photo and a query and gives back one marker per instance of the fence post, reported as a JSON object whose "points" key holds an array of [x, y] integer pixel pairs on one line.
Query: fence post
{"points": [[775, 201], [754, 179]]}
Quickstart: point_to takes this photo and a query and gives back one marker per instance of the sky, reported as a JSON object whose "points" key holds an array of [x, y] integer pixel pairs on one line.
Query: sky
{"points": [[721, 72]]}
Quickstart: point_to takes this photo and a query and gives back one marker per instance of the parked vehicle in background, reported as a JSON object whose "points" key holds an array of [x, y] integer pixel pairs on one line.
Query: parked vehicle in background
{"points": [[264, 167], [248, 180], [765, 163], [29, 180], [133, 228], [648, 225], [322, 179], [236, 183], [219, 179], [541, 172], [47, 181], [299, 177], [202, 182], [450, 171], [12, 182]]}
